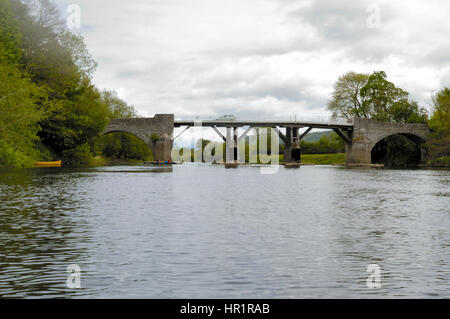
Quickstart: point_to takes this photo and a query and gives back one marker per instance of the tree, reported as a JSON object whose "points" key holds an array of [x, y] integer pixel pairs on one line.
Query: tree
{"points": [[76, 120], [374, 97], [80, 55], [438, 144], [47, 56], [10, 37], [19, 115], [48, 103], [58, 62], [440, 120], [387, 103], [117, 108], [346, 99]]}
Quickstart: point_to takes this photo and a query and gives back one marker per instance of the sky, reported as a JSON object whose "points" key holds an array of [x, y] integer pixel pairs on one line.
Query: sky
{"points": [[260, 57]]}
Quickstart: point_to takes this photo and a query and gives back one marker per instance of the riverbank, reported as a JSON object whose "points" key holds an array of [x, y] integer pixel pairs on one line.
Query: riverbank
{"points": [[307, 159], [439, 162], [102, 161], [324, 159]]}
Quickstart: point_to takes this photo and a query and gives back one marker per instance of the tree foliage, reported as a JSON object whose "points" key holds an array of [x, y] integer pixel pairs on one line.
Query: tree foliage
{"points": [[373, 96], [332, 145], [48, 103], [347, 100], [440, 119], [19, 115], [387, 103], [438, 144]]}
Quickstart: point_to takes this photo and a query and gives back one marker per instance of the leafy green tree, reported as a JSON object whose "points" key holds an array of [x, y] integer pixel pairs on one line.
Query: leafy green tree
{"points": [[387, 103], [45, 58], [117, 108], [75, 121], [82, 59], [48, 105], [326, 145], [440, 120], [373, 96], [346, 99], [438, 145], [19, 115], [10, 37], [58, 62]]}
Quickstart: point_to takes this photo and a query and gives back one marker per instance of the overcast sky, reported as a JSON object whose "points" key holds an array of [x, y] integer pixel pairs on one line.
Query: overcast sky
{"points": [[260, 57]]}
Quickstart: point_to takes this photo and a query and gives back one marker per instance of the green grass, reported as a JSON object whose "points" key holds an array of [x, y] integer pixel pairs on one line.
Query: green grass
{"points": [[323, 159], [443, 161]]}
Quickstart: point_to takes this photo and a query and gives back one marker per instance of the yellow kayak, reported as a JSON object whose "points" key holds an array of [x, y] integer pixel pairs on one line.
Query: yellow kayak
{"points": [[53, 164]]}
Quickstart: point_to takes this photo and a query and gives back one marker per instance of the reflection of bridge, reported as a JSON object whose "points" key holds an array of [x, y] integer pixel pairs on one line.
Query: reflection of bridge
{"points": [[360, 135]]}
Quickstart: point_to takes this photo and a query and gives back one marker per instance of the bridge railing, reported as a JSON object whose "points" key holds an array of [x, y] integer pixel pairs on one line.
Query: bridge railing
{"points": [[274, 119]]}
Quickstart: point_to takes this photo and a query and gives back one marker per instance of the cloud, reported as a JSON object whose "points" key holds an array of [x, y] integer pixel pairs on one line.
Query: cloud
{"points": [[259, 57]]}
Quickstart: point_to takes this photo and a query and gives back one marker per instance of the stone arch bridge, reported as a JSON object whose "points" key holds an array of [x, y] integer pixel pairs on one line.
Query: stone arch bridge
{"points": [[360, 135]]}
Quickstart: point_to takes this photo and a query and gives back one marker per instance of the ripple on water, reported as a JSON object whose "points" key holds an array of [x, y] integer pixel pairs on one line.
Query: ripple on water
{"points": [[203, 231]]}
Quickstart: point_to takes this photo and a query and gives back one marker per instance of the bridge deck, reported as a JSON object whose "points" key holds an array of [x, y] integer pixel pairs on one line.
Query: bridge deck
{"points": [[257, 123]]}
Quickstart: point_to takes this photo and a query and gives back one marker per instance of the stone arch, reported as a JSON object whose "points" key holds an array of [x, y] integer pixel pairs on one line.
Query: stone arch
{"points": [[415, 138], [156, 132], [143, 139]]}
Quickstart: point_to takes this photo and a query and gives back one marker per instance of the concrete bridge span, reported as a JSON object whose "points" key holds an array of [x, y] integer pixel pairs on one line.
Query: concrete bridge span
{"points": [[360, 135]]}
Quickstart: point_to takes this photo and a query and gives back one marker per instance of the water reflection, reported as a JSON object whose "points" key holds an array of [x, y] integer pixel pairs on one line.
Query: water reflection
{"points": [[203, 231]]}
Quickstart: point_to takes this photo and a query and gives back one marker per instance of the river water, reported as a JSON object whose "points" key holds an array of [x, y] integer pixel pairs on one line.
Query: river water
{"points": [[202, 231]]}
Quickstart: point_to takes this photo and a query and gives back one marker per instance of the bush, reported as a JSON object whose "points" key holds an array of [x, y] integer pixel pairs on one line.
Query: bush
{"points": [[9, 157], [123, 146], [78, 156], [440, 161]]}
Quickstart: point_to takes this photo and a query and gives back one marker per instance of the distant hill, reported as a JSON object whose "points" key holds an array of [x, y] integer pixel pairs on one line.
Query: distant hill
{"points": [[316, 136]]}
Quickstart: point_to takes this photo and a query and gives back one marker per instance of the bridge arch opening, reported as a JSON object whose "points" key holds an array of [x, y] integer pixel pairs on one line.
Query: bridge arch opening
{"points": [[398, 150], [124, 145]]}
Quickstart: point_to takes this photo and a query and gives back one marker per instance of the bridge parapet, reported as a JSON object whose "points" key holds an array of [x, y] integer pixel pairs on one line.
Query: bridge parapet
{"points": [[274, 120]]}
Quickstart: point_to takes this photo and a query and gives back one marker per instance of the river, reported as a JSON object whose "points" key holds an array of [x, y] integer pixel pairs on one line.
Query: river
{"points": [[202, 231]]}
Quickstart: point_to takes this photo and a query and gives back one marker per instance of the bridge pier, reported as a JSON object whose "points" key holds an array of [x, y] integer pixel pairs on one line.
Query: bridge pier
{"points": [[292, 151], [231, 148]]}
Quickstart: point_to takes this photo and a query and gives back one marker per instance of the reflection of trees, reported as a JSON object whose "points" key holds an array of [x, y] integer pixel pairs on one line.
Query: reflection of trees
{"points": [[38, 230]]}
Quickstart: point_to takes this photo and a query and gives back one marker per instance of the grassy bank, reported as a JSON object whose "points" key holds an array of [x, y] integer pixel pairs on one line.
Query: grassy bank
{"points": [[323, 159], [443, 161]]}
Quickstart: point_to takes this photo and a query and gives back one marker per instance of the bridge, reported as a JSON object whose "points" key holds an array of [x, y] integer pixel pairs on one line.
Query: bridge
{"points": [[360, 135]]}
